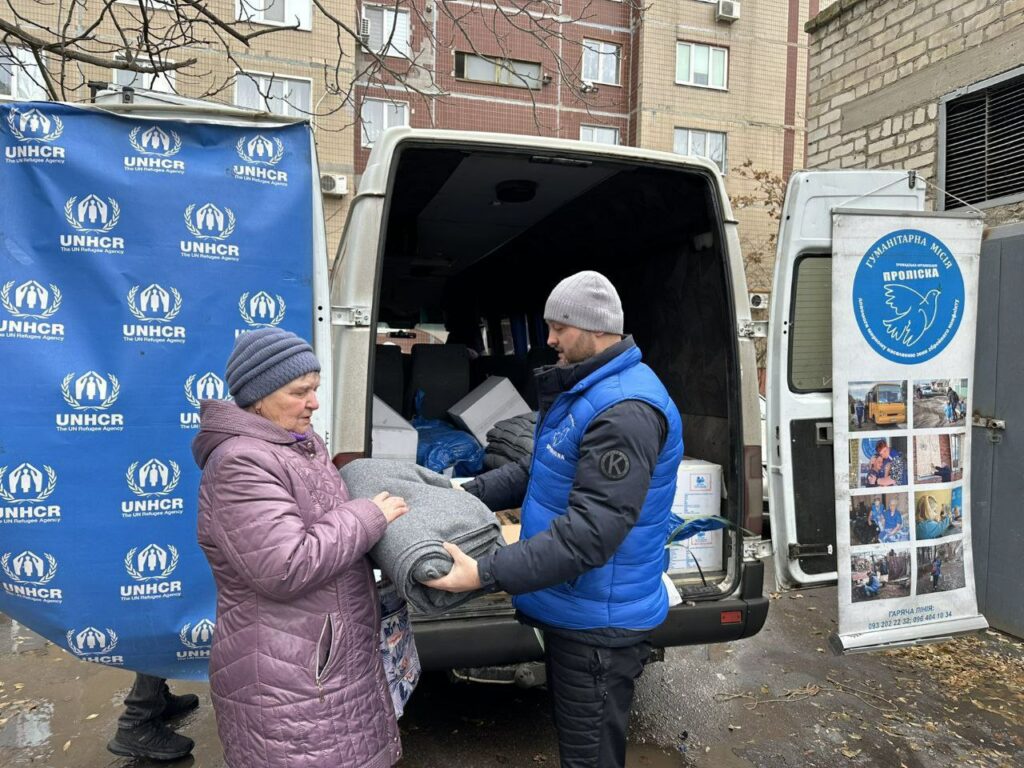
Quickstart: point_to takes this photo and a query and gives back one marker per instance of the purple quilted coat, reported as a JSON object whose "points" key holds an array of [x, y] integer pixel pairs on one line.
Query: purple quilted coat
{"points": [[295, 670]]}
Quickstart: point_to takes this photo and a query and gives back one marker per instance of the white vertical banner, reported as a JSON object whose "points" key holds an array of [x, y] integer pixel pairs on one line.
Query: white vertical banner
{"points": [[904, 320]]}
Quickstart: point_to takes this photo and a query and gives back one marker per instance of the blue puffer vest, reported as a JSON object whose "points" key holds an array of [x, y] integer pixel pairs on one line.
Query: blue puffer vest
{"points": [[626, 592]]}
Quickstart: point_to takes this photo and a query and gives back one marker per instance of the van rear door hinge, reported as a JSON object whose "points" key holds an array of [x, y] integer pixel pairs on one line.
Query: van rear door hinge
{"points": [[752, 329], [350, 316]]}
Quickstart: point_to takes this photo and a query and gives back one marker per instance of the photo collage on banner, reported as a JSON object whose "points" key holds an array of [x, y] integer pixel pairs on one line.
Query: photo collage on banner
{"points": [[904, 314], [134, 252]]}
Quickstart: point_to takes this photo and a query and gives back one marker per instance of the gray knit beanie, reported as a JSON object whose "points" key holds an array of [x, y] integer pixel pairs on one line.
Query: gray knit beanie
{"points": [[263, 361], [586, 300]]}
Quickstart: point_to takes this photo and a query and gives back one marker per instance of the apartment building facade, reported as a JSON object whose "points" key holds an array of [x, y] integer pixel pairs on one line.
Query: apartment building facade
{"points": [[723, 79]]}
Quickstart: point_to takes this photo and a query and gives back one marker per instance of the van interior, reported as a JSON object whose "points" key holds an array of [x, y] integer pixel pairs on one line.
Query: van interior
{"points": [[476, 238]]}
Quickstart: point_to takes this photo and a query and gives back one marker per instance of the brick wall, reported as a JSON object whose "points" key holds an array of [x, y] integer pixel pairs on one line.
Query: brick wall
{"points": [[879, 68]]}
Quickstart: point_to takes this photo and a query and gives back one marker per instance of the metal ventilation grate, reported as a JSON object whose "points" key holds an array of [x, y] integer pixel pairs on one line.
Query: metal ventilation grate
{"points": [[985, 144]]}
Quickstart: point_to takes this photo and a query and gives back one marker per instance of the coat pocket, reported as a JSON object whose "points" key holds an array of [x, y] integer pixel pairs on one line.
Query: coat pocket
{"points": [[325, 654]]}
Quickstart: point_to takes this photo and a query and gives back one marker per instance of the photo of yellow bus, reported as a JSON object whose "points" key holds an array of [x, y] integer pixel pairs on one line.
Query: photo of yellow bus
{"points": [[886, 403]]}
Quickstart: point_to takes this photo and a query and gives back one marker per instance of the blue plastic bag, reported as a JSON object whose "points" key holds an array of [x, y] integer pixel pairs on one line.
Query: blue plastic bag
{"points": [[442, 446]]}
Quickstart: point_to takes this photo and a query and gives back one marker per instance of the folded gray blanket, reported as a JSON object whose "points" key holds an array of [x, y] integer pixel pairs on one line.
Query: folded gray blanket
{"points": [[410, 551]]}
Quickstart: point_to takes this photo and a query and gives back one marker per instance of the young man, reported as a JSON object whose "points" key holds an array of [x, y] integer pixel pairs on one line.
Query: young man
{"points": [[588, 569]]}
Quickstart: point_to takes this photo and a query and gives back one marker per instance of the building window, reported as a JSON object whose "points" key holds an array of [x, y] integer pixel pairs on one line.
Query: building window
{"points": [[982, 161], [709, 144], [377, 115], [284, 13], [285, 96], [518, 74], [601, 62], [162, 82], [599, 134], [386, 31], [20, 77], [702, 65]]}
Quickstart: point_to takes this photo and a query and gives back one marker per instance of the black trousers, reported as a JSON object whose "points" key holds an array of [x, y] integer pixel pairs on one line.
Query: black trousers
{"points": [[592, 693], [144, 702]]}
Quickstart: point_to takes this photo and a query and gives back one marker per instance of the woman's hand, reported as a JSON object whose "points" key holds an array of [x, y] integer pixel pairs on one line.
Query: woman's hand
{"points": [[392, 507]]}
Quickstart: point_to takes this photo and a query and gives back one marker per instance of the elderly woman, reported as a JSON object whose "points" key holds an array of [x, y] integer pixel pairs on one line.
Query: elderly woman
{"points": [[295, 670]]}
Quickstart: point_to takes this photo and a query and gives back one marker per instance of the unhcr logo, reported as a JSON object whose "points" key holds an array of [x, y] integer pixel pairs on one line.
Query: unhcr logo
{"points": [[207, 386], [210, 226], [31, 304], [24, 490], [37, 133], [92, 217], [260, 155], [92, 393], [155, 307], [197, 638], [151, 565], [155, 148], [260, 310], [28, 574], [152, 482], [92, 644]]}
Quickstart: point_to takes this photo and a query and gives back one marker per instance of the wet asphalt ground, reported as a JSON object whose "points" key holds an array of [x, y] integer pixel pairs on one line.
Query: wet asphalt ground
{"points": [[777, 700]]}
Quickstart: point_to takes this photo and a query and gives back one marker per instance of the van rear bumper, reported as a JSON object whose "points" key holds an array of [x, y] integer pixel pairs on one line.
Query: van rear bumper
{"points": [[486, 641]]}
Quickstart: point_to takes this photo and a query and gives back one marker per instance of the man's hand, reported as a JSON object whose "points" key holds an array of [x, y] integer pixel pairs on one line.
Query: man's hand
{"points": [[463, 577]]}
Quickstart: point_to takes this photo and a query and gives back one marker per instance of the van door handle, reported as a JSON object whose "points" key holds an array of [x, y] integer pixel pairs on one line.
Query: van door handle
{"points": [[823, 433]]}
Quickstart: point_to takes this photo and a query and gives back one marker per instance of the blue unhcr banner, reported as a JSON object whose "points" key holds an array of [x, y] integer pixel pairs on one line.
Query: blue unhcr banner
{"points": [[132, 253]]}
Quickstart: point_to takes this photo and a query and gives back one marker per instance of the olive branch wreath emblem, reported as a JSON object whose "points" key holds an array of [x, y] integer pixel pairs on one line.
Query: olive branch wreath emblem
{"points": [[51, 483], [65, 389], [142, 150], [274, 160], [224, 235], [137, 490], [69, 214], [51, 570], [58, 129], [140, 315], [107, 648], [138, 576], [187, 641], [5, 299], [249, 319]]}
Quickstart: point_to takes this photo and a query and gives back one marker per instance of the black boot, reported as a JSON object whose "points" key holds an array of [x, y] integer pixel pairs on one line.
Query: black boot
{"points": [[175, 706], [151, 740]]}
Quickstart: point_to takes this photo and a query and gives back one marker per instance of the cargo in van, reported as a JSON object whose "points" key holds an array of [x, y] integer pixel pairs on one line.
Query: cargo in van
{"points": [[472, 231]]}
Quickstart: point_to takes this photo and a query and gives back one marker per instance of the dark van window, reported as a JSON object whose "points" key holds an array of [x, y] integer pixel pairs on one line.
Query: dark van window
{"points": [[810, 325]]}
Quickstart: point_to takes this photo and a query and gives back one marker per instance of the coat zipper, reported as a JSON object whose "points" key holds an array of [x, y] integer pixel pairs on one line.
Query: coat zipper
{"points": [[317, 669]]}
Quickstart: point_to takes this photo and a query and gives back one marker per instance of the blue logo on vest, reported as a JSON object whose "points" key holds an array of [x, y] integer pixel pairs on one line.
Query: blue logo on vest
{"points": [[908, 296]]}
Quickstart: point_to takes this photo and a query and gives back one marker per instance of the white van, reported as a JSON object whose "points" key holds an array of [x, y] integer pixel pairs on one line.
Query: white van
{"points": [[471, 231]]}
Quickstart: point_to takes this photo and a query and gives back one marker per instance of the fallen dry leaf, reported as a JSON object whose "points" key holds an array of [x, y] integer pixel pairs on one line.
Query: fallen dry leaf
{"points": [[67, 745], [850, 753], [92, 716]]}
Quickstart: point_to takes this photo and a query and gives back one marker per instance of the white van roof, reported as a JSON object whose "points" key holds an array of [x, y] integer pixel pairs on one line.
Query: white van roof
{"points": [[375, 178]]}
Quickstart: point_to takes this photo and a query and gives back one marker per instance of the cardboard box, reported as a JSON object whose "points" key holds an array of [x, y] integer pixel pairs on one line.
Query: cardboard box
{"points": [[698, 489], [494, 400], [699, 493], [705, 548], [393, 437]]}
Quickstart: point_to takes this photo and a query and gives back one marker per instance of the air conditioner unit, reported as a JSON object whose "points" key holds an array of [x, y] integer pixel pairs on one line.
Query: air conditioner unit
{"points": [[728, 10], [364, 32], [334, 184]]}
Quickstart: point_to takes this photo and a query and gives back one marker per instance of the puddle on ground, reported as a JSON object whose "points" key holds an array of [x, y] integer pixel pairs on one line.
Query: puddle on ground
{"points": [[639, 756], [28, 728]]}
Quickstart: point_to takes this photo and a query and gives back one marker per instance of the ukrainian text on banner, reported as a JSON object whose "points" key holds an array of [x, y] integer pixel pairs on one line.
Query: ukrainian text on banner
{"points": [[132, 253], [904, 291]]}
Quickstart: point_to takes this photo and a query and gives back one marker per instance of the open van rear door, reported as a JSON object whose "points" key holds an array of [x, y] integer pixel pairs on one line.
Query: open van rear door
{"points": [[799, 430]]}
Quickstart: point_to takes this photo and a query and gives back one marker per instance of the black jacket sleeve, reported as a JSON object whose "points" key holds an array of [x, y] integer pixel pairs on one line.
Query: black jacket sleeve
{"points": [[618, 454], [503, 487]]}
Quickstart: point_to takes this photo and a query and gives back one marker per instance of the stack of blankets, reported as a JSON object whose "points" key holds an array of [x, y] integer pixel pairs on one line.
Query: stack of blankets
{"points": [[410, 551], [510, 440]]}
